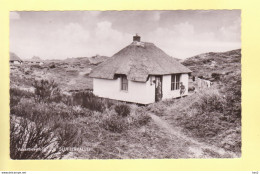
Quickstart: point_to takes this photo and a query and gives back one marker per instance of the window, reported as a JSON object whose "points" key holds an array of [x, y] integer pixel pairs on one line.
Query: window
{"points": [[124, 83], [175, 82]]}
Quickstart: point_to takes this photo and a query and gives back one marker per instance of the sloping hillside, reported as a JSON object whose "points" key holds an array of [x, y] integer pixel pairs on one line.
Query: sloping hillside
{"points": [[211, 115], [213, 65], [70, 74]]}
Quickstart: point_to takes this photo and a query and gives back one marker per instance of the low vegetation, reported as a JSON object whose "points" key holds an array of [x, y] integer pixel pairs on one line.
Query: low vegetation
{"points": [[51, 115], [213, 115], [122, 110], [67, 121]]}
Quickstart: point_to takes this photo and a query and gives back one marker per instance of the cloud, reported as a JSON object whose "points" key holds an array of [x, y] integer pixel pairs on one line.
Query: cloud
{"points": [[67, 41], [109, 40], [179, 33], [232, 32], [72, 32], [184, 29], [184, 41], [14, 15]]}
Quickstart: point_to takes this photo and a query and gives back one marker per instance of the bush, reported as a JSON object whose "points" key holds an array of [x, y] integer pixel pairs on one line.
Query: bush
{"points": [[210, 101], [141, 117], [20, 93], [16, 95], [114, 124], [52, 66], [88, 100], [46, 112], [232, 91], [31, 141], [216, 76], [122, 110], [46, 91], [14, 100], [204, 125], [69, 135], [37, 66], [204, 118]]}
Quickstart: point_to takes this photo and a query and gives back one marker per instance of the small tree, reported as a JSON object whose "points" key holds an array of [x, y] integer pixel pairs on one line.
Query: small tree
{"points": [[46, 91]]}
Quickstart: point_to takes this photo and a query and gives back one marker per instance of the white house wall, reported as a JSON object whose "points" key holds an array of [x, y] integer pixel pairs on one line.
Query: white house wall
{"points": [[138, 92], [16, 62], [166, 86]]}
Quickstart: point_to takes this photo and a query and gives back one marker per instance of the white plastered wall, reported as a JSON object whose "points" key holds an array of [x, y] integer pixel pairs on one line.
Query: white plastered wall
{"points": [[166, 87], [138, 92]]}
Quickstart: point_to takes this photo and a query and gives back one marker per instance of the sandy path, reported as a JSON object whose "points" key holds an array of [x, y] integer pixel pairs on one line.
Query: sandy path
{"points": [[197, 149]]}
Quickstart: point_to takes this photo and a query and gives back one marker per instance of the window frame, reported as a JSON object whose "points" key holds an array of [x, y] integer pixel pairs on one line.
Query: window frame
{"points": [[175, 81], [124, 83]]}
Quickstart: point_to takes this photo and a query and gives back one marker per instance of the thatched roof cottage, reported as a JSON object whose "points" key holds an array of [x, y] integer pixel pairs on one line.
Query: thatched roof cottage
{"points": [[14, 59], [140, 73], [35, 60]]}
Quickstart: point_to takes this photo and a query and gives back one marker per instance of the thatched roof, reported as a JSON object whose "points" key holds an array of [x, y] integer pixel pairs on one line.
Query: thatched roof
{"points": [[95, 60], [34, 59], [14, 57], [137, 61]]}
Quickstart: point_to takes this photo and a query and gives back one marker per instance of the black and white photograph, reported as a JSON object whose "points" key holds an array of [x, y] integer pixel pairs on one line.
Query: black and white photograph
{"points": [[125, 84]]}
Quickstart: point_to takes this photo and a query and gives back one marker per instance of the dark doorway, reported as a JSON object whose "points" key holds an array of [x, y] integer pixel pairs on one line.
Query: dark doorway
{"points": [[158, 88]]}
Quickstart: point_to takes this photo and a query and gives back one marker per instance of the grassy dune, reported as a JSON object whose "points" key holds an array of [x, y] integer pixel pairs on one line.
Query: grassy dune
{"points": [[107, 129]]}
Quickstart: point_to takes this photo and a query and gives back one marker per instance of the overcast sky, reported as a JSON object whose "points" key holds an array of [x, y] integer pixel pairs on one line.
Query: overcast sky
{"points": [[181, 34]]}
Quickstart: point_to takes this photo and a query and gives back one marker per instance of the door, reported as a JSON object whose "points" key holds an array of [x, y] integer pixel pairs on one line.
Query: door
{"points": [[158, 88]]}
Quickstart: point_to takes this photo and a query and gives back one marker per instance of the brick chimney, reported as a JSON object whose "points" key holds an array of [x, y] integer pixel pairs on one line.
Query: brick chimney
{"points": [[137, 38]]}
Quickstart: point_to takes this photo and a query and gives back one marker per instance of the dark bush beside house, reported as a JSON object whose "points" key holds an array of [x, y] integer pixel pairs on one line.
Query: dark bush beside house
{"points": [[122, 110], [88, 100]]}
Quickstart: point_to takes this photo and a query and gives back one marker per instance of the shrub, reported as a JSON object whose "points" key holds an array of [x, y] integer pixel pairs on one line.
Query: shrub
{"points": [[20, 93], [122, 110], [52, 66], [232, 91], [46, 112], [210, 101], [191, 88], [46, 91], [141, 117], [14, 100], [69, 135], [37, 66], [203, 125], [31, 141], [114, 124], [88, 100], [204, 117], [16, 95]]}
